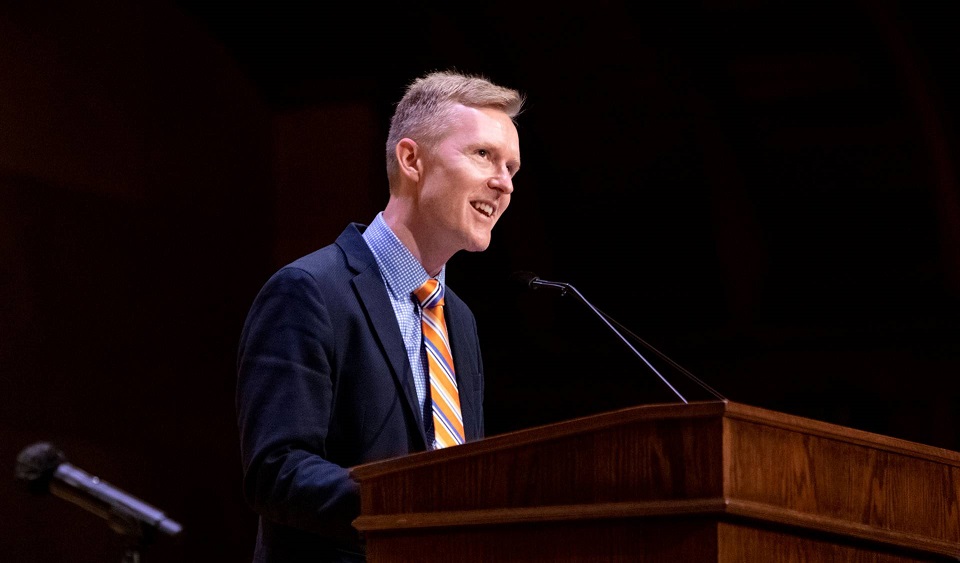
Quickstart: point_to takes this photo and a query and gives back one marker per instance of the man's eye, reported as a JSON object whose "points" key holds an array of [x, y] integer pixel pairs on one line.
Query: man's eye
{"points": [[482, 152]]}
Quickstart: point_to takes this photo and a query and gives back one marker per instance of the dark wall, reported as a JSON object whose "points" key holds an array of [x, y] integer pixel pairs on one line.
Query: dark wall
{"points": [[135, 170], [767, 196]]}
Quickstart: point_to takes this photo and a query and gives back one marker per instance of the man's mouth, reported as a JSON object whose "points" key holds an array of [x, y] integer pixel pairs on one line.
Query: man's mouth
{"points": [[482, 207]]}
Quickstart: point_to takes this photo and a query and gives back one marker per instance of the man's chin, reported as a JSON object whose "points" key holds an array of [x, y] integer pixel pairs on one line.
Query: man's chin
{"points": [[479, 245]]}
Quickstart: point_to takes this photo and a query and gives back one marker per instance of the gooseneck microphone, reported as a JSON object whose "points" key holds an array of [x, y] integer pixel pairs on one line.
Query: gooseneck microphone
{"points": [[44, 468], [531, 281]]}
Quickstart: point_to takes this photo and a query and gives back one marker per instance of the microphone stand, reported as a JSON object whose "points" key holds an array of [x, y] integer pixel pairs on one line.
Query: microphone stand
{"points": [[665, 358], [534, 282], [132, 552], [137, 535]]}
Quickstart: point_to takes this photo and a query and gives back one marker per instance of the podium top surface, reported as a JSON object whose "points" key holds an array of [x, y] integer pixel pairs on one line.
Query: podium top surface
{"points": [[663, 412]]}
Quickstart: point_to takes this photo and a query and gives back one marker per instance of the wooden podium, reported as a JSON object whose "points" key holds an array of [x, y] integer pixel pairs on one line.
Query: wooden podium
{"points": [[710, 481]]}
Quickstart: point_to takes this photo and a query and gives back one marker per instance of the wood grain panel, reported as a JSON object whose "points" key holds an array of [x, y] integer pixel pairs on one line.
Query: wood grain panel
{"points": [[652, 483]]}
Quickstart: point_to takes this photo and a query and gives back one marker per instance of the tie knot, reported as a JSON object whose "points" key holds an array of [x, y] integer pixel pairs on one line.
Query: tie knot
{"points": [[430, 294]]}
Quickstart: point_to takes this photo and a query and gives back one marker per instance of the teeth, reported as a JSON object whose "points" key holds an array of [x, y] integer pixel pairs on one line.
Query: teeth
{"points": [[484, 208]]}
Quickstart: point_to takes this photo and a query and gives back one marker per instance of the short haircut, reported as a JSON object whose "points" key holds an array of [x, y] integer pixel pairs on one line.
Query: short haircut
{"points": [[423, 113]]}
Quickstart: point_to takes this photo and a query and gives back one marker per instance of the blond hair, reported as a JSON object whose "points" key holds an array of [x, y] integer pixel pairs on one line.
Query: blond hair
{"points": [[423, 114]]}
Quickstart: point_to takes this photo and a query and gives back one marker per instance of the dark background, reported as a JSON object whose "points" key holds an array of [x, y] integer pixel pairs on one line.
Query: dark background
{"points": [[766, 193]]}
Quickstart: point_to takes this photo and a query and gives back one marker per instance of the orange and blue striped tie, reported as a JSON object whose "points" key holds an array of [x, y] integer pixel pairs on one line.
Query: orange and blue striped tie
{"points": [[447, 421]]}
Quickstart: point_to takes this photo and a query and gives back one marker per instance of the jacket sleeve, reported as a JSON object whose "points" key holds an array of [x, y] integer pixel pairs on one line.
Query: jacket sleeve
{"points": [[284, 402]]}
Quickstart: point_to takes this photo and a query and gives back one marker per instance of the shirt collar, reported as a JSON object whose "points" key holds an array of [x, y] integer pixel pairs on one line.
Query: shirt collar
{"points": [[401, 271]]}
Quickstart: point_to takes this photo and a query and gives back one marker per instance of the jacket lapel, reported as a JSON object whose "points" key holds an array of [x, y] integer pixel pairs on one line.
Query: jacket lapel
{"points": [[466, 361], [368, 283]]}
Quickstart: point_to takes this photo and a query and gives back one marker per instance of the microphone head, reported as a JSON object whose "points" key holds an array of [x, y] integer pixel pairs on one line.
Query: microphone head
{"points": [[36, 465], [524, 278]]}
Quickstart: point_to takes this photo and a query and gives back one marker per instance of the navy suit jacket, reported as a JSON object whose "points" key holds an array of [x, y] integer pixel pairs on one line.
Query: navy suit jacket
{"points": [[324, 384]]}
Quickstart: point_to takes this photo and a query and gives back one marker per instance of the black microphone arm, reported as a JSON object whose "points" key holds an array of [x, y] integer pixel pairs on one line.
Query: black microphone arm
{"points": [[44, 468], [533, 282]]}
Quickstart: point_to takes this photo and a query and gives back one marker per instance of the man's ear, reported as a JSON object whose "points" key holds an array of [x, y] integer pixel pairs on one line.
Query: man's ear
{"points": [[408, 155]]}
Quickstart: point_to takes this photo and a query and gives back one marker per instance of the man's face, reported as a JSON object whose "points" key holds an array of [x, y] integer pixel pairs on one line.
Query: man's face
{"points": [[467, 180]]}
